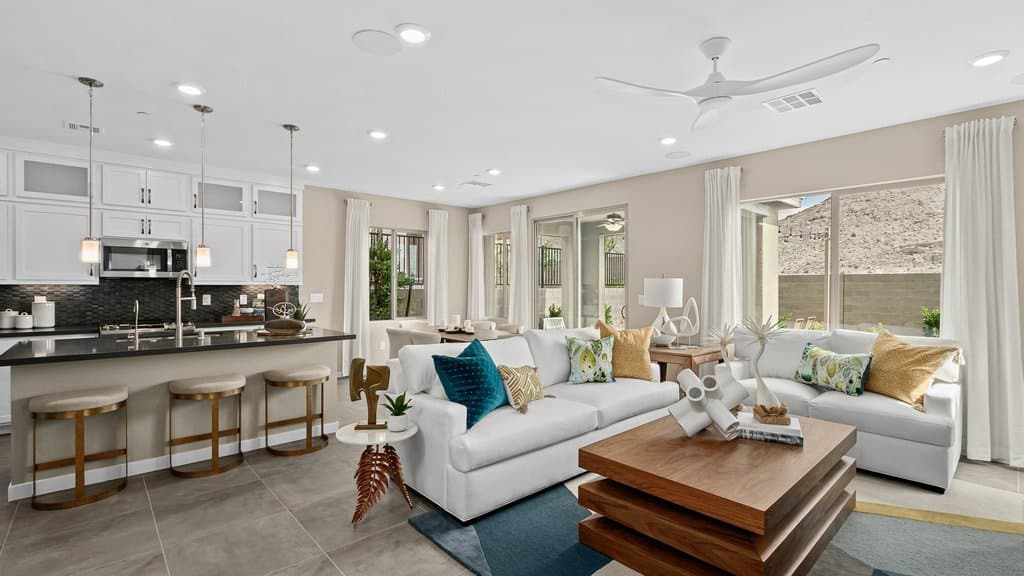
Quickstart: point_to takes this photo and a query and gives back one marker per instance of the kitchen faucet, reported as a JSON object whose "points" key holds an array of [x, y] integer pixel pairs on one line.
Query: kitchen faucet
{"points": [[178, 299]]}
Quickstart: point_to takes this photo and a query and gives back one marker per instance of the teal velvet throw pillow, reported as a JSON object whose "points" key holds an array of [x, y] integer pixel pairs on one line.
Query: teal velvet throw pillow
{"points": [[472, 379]]}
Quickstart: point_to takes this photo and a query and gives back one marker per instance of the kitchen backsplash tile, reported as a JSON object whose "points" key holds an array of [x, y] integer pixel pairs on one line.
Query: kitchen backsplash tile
{"points": [[112, 300]]}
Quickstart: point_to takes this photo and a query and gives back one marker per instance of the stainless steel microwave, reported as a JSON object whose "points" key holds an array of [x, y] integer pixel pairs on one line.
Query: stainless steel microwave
{"points": [[137, 258]]}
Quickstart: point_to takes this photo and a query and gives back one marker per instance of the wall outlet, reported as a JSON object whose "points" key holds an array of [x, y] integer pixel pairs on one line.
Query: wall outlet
{"points": [[381, 344], [316, 297], [207, 299], [243, 299]]}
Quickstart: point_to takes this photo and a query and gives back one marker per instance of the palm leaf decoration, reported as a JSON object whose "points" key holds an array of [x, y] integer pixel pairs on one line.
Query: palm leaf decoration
{"points": [[371, 481]]}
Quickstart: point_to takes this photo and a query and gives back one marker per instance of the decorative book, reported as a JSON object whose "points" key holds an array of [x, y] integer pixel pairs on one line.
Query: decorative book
{"points": [[751, 429]]}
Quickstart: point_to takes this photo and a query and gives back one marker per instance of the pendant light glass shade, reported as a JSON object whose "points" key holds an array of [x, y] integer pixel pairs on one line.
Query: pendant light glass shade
{"points": [[203, 258], [291, 259], [90, 251], [291, 256]]}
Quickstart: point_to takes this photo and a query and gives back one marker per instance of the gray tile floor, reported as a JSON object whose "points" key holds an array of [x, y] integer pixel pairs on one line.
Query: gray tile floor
{"points": [[280, 516]]}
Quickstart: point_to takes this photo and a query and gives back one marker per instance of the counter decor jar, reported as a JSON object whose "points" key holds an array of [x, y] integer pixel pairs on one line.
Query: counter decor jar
{"points": [[23, 321], [43, 312], [7, 318]]}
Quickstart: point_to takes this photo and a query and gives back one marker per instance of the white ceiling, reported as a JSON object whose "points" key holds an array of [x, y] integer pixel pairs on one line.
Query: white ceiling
{"points": [[500, 84]]}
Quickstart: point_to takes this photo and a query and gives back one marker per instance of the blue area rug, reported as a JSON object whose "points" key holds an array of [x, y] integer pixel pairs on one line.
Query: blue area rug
{"points": [[538, 535]]}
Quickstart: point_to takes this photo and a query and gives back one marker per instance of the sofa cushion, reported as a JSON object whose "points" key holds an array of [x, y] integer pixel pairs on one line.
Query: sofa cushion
{"points": [[857, 342], [792, 393], [631, 354], [782, 352], [832, 370], [551, 352], [884, 416], [471, 379], [505, 433], [590, 360], [418, 362], [616, 401], [904, 371]]}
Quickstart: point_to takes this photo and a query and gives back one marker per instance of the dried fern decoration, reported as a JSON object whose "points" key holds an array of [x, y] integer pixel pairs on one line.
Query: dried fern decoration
{"points": [[395, 472], [371, 481]]}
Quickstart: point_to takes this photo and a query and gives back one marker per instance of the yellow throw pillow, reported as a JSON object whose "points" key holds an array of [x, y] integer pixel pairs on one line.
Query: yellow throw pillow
{"points": [[631, 355], [902, 371], [521, 386]]}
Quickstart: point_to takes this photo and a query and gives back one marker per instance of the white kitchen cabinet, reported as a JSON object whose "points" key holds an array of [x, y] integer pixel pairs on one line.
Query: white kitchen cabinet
{"points": [[6, 241], [47, 239], [146, 225], [223, 197], [230, 251], [273, 202], [141, 188], [43, 343], [269, 243], [52, 178], [5, 173]]}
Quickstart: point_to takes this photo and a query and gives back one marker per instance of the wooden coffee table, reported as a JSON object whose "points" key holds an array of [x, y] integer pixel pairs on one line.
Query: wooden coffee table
{"points": [[676, 505]]}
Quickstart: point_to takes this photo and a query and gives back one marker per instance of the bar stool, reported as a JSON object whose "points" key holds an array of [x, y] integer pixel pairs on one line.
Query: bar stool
{"points": [[305, 376], [211, 388], [77, 406]]}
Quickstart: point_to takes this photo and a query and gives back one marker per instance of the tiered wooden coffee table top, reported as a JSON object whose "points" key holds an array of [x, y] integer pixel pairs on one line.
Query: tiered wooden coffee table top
{"points": [[677, 505]]}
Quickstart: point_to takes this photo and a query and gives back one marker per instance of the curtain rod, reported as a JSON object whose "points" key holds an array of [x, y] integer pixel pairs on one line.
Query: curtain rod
{"points": [[943, 132]]}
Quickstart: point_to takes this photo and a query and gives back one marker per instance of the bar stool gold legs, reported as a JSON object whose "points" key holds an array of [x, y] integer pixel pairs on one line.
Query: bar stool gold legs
{"points": [[82, 494], [313, 443], [213, 388]]}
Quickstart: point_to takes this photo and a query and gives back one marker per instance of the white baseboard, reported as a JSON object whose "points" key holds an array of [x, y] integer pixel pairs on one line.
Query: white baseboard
{"points": [[136, 467]]}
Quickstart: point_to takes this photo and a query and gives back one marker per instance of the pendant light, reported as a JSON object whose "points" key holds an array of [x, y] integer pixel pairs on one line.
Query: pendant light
{"points": [[291, 256], [90, 249], [203, 259]]}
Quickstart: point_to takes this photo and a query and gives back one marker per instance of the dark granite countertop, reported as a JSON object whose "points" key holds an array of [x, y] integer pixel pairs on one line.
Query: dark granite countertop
{"points": [[55, 331], [97, 348]]}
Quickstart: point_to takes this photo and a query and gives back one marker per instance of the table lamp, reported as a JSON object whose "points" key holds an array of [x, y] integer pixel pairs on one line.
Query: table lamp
{"points": [[663, 293]]}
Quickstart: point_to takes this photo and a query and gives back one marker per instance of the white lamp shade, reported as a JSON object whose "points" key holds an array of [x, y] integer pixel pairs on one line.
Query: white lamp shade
{"points": [[291, 259], [663, 292], [90, 251], [203, 258]]}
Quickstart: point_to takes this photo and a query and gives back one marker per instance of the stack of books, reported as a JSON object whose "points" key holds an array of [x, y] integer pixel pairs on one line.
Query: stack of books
{"points": [[751, 429]]}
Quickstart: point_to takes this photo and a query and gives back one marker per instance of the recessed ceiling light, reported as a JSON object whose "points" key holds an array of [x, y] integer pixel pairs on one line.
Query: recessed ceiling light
{"points": [[412, 33], [190, 89], [162, 143], [677, 154], [378, 134], [883, 60], [989, 58], [494, 172], [312, 168], [438, 187], [377, 42], [668, 141]]}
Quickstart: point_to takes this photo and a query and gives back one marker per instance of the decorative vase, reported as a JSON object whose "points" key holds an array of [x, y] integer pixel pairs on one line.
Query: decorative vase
{"points": [[398, 423]]}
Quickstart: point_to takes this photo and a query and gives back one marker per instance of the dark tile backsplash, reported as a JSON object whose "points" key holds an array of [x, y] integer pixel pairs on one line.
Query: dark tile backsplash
{"points": [[112, 300]]}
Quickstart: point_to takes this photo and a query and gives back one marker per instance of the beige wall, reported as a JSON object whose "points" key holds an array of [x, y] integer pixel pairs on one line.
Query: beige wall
{"points": [[323, 241], [666, 209]]}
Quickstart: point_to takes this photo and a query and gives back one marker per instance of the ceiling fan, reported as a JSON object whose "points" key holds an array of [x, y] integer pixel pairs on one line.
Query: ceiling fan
{"points": [[613, 222], [717, 93]]}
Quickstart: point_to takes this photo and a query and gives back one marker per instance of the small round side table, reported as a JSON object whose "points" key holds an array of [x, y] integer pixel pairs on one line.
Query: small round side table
{"points": [[378, 464]]}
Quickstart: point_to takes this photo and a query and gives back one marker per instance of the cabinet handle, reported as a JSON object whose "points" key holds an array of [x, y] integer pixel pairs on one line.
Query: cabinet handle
{"points": [[142, 195], [255, 207], [149, 195], [142, 225], [195, 201], [150, 227], [253, 271]]}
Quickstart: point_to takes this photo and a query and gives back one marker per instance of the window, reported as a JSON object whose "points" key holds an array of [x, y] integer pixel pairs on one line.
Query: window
{"points": [[861, 259], [497, 251], [397, 272]]}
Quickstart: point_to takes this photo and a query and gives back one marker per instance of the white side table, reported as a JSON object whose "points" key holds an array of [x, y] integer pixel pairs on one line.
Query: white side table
{"points": [[378, 464]]}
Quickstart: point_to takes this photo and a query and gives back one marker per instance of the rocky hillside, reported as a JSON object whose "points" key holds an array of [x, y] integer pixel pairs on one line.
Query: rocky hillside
{"points": [[884, 232]]}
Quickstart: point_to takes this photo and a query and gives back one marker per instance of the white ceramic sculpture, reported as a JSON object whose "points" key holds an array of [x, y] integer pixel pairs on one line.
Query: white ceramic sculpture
{"points": [[706, 403], [763, 332]]}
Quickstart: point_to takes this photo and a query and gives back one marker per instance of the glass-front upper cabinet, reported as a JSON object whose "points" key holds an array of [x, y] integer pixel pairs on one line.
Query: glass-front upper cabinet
{"points": [[223, 197], [275, 203], [52, 178]]}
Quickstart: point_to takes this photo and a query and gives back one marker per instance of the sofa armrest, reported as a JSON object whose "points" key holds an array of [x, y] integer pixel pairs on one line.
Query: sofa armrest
{"points": [[396, 384], [943, 399], [426, 457]]}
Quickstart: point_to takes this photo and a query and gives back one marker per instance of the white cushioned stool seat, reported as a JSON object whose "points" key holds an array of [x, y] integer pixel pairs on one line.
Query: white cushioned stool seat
{"points": [[793, 394], [505, 433], [616, 401], [885, 416], [298, 374], [78, 400], [207, 384]]}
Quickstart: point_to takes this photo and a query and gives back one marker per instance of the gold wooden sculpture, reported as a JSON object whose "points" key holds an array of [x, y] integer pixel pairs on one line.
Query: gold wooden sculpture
{"points": [[375, 382]]}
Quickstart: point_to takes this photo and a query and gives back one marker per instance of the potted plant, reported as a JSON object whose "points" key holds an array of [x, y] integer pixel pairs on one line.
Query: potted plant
{"points": [[399, 407], [931, 319]]}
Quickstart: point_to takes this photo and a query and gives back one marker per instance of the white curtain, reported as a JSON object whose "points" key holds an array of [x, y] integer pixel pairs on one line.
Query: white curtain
{"points": [[721, 287], [475, 273], [979, 285], [437, 267], [356, 304], [519, 295]]}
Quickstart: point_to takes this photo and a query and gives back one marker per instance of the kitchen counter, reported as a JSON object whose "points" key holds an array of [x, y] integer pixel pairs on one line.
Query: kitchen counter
{"points": [[55, 331], [122, 346]]}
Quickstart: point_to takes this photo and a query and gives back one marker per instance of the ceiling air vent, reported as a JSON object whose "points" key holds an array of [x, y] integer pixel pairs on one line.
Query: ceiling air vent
{"points": [[81, 127], [476, 183], [793, 101]]}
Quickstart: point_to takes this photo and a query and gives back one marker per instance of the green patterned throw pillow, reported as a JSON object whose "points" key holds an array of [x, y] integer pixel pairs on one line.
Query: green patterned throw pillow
{"points": [[590, 360], [843, 372]]}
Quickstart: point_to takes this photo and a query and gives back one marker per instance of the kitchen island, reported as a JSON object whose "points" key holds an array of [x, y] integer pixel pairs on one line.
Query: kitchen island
{"points": [[48, 366]]}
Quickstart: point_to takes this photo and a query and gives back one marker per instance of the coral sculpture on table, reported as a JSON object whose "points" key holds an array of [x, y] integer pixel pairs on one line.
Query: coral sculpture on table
{"points": [[724, 338], [767, 409]]}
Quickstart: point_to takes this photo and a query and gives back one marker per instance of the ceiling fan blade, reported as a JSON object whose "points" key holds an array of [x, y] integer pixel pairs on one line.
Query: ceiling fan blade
{"points": [[631, 88], [807, 73], [707, 111], [712, 89]]}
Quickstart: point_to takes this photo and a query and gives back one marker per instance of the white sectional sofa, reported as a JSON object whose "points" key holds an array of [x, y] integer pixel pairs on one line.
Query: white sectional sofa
{"points": [[509, 455], [893, 438]]}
